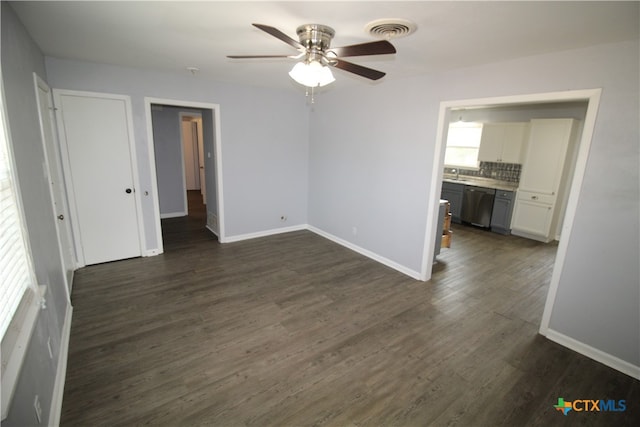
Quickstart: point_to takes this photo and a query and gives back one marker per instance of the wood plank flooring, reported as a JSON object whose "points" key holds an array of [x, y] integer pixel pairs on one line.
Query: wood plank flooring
{"points": [[295, 330]]}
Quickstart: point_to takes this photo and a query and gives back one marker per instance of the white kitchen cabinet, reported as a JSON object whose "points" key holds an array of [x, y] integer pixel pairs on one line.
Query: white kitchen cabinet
{"points": [[532, 219], [515, 136], [546, 154], [544, 178], [502, 142]]}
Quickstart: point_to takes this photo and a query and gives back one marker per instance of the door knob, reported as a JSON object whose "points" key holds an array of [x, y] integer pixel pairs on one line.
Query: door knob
{"points": [[60, 217], [128, 191]]}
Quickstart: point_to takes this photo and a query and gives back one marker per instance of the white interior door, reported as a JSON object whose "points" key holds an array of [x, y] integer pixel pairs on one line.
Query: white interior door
{"points": [[95, 130], [58, 191]]}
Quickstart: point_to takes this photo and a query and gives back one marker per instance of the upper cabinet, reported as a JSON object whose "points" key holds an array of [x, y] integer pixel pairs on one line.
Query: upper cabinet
{"points": [[503, 142], [546, 155]]}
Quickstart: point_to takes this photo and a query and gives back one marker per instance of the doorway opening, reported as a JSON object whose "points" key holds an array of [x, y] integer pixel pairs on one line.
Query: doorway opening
{"points": [[184, 141], [592, 99]]}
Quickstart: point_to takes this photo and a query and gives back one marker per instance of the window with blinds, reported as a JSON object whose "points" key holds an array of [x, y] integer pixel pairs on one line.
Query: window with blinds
{"points": [[16, 275]]}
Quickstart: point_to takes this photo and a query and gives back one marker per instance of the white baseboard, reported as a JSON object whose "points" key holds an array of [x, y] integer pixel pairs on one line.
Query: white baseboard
{"points": [[595, 354], [61, 372], [374, 256], [265, 233], [172, 215]]}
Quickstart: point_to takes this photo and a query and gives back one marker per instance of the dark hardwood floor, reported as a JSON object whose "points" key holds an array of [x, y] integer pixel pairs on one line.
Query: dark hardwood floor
{"points": [[295, 330]]}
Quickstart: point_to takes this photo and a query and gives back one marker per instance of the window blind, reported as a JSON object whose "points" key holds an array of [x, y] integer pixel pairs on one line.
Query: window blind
{"points": [[16, 275]]}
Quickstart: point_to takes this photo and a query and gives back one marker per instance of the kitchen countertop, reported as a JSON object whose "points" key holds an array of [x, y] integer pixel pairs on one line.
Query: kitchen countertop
{"points": [[481, 182]]}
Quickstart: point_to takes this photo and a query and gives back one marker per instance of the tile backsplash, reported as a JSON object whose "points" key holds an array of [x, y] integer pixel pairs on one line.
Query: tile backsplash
{"points": [[509, 172]]}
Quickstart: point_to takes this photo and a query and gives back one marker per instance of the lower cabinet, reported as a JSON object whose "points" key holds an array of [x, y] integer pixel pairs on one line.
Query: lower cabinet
{"points": [[453, 193], [502, 211], [533, 217]]}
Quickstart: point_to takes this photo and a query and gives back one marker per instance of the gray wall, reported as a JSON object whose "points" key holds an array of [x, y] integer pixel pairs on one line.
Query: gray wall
{"points": [[21, 57], [373, 171], [168, 155], [264, 133]]}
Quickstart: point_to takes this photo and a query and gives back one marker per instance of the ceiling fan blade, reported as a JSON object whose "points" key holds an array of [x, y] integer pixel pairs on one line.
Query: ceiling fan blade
{"points": [[280, 35], [369, 73], [380, 47], [259, 56]]}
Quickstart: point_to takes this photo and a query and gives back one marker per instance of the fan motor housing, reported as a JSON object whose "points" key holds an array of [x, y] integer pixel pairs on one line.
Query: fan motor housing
{"points": [[315, 37]]}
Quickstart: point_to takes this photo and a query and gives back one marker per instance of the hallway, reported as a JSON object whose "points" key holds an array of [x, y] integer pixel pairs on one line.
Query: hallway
{"points": [[180, 232]]}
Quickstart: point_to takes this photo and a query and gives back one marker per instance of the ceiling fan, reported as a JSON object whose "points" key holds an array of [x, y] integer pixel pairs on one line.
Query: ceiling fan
{"points": [[317, 54]]}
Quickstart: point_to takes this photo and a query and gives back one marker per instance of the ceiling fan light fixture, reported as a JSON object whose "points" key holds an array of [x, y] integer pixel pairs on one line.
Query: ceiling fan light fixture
{"points": [[311, 74], [315, 47]]}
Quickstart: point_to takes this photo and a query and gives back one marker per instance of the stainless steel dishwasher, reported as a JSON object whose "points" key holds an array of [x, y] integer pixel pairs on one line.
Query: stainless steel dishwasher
{"points": [[477, 205]]}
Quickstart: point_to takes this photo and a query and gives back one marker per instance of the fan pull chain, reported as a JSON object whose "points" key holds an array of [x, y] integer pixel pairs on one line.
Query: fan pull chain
{"points": [[310, 100]]}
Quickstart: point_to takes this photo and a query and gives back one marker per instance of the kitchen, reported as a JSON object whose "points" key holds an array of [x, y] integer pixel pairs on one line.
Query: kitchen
{"points": [[508, 169]]}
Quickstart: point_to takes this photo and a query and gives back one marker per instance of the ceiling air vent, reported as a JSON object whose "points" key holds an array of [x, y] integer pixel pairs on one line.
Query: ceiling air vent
{"points": [[390, 28]]}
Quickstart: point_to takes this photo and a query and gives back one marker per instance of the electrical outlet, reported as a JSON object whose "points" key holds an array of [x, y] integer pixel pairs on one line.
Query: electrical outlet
{"points": [[38, 408]]}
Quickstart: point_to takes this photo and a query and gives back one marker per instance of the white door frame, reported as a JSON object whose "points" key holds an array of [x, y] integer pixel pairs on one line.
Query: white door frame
{"points": [[592, 97], [51, 142], [202, 178], [217, 146], [66, 165]]}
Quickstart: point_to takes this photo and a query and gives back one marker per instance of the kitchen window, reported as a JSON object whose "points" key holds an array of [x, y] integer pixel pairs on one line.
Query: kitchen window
{"points": [[463, 144]]}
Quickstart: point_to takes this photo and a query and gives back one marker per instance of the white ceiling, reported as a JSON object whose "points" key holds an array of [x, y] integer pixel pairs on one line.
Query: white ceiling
{"points": [[173, 35]]}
